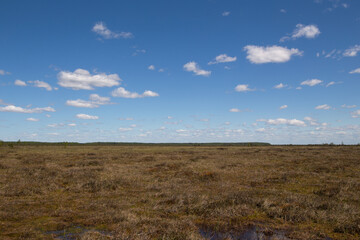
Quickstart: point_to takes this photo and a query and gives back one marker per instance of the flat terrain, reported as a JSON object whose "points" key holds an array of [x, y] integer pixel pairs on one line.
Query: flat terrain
{"points": [[179, 192]]}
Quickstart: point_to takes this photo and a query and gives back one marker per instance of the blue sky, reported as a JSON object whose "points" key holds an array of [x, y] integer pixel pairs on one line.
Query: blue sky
{"points": [[180, 71]]}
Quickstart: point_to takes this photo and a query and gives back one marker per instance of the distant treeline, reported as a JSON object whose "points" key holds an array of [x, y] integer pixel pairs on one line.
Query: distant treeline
{"points": [[30, 143]]}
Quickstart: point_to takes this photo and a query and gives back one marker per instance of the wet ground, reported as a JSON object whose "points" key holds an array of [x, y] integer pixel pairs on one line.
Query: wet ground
{"points": [[252, 233]]}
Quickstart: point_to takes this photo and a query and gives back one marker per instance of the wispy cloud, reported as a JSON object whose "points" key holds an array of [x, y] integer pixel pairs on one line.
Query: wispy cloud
{"points": [[283, 121], [122, 92], [226, 13], [283, 107], [323, 107], [222, 58], [12, 108], [87, 117], [280, 85], [20, 83], [101, 29], [94, 101], [355, 71], [311, 82], [307, 31], [352, 52]]}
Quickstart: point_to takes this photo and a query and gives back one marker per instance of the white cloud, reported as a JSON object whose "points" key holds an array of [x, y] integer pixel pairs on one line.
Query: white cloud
{"points": [[95, 101], [283, 107], [3, 72], [125, 129], [122, 92], [72, 124], [283, 121], [82, 79], [225, 14], [355, 114], [332, 83], [243, 88], [323, 107], [41, 84], [32, 119], [12, 108], [20, 83], [355, 71], [271, 54], [181, 131], [161, 70], [352, 52], [223, 58], [308, 31], [193, 67], [101, 29], [151, 67], [282, 10], [235, 110], [85, 116], [311, 121], [280, 85], [348, 106], [260, 130], [311, 82]]}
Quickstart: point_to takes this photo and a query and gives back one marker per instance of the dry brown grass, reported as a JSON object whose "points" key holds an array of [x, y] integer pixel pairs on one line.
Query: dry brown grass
{"points": [[169, 192]]}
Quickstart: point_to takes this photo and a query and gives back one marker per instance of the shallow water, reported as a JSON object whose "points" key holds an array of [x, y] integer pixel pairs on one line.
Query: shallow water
{"points": [[252, 233]]}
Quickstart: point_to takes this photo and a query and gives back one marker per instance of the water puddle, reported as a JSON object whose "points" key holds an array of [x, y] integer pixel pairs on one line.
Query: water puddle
{"points": [[74, 233], [252, 233]]}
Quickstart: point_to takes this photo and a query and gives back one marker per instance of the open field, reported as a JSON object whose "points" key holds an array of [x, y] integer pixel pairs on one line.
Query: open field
{"points": [[179, 192]]}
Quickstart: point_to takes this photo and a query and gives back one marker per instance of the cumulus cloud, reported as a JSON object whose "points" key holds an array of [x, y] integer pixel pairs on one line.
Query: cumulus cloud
{"points": [[85, 116], [283, 107], [307, 31], [12, 108], [122, 92], [94, 101], [283, 121], [280, 85], [311, 82], [271, 54], [151, 67], [223, 58], [82, 79], [323, 107], [355, 71], [41, 84], [32, 119], [193, 67], [101, 29], [20, 83], [352, 52], [243, 88]]}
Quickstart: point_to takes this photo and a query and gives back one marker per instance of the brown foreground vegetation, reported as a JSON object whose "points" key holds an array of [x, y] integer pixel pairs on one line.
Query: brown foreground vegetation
{"points": [[175, 192]]}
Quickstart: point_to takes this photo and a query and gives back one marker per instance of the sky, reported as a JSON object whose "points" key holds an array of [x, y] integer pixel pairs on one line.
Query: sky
{"points": [[283, 72]]}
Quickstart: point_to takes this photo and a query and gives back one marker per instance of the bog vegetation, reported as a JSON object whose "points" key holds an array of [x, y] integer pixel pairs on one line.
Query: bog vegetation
{"points": [[111, 191]]}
